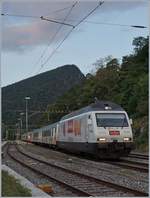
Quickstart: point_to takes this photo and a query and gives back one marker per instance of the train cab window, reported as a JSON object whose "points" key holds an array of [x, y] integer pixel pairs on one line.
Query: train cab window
{"points": [[111, 120]]}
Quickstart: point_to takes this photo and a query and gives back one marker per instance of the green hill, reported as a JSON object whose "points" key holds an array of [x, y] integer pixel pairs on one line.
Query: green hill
{"points": [[43, 89]]}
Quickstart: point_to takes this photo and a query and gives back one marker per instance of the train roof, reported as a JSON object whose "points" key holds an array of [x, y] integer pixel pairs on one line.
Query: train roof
{"points": [[44, 128], [98, 106]]}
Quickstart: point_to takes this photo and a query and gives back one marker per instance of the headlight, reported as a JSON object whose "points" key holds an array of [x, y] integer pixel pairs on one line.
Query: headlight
{"points": [[101, 139], [126, 139]]}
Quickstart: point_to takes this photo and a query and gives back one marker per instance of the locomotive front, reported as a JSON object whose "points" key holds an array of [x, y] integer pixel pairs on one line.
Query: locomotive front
{"points": [[113, 133]]}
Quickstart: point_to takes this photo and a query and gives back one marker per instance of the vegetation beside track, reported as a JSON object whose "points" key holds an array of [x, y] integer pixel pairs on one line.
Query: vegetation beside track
{"points": [[12, 188]]}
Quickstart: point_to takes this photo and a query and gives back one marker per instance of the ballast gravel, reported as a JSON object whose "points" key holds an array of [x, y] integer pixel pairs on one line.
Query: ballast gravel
{"points": [[111, 173], [36, 179]]}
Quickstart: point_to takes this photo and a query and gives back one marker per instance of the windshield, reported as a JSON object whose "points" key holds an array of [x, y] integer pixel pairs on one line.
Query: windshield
{"points": [[111, 120]]}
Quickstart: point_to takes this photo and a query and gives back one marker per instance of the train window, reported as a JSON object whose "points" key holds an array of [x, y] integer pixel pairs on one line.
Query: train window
{"points": [[111, 120], [35, 135], [45, 133]]}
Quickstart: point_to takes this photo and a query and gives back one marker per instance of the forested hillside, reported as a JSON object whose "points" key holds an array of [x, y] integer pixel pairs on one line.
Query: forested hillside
{"points": [[43, 89], [125, 84]]}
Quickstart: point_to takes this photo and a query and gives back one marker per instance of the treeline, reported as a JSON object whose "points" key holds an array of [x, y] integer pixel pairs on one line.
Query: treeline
{"points": [[125, 84]]}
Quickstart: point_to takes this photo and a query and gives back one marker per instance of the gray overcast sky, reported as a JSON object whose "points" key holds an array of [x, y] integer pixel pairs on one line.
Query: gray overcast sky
{"points": [[24, 39]]}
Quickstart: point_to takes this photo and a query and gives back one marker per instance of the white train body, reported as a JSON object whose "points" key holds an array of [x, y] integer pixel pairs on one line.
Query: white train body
{"points": [[102, 129], [44, 135]]}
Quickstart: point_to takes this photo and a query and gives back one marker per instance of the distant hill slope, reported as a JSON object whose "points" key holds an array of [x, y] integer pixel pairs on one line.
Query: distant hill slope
{"points": [[43, 89]]}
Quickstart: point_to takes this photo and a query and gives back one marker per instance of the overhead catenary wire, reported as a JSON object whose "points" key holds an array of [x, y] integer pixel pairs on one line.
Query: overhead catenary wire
{"points": [[53, 52], [41, 17], [60, 10], [115, 24], [68, 34], [93, 10], [18, 15], [57, 31], [31, 16]]}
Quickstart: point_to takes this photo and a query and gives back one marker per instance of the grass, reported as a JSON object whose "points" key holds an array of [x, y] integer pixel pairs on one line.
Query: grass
{"points": [[12, 188]]}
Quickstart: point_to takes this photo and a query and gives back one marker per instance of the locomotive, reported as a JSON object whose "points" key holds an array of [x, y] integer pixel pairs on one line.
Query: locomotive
{"points": [[102, 129]]}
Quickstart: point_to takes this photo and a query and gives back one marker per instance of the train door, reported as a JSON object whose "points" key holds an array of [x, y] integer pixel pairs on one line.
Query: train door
{"points": [[54, 136], [89, 127], [50, 139], [84, 128], [40, 137]]}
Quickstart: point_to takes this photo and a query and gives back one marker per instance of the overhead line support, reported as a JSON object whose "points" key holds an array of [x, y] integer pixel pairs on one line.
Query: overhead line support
{"points": [[42, 18]]}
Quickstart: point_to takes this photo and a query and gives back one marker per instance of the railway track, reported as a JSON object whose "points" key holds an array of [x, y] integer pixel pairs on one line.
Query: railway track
{"points": [[142, 164], [76, 163], [143, 167], [81, 184], [133, 165], [139, 156], [136, 165]]}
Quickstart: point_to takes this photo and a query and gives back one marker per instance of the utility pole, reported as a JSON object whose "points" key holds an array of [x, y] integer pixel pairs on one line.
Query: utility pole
{"points": [[21, 124], [26, 99], [17, 131], [20, 127]]}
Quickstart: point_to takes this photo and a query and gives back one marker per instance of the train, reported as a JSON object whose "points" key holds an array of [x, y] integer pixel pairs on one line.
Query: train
{"points": [[102, 129]]}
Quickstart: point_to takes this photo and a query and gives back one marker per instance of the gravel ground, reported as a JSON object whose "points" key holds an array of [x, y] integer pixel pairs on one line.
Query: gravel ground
{"points": [[76, 181], [35, 178], [63, 157], [129, 178]]}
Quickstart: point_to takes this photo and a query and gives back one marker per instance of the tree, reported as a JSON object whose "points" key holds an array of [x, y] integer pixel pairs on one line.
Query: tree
{"points": [[113, 64], [101, 62], [139, 43]]}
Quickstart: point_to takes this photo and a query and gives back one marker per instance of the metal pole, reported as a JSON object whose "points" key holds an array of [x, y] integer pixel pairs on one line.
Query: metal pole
{"points": [[26, 115], [21, 123], [20, 127], [27, 98]]}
